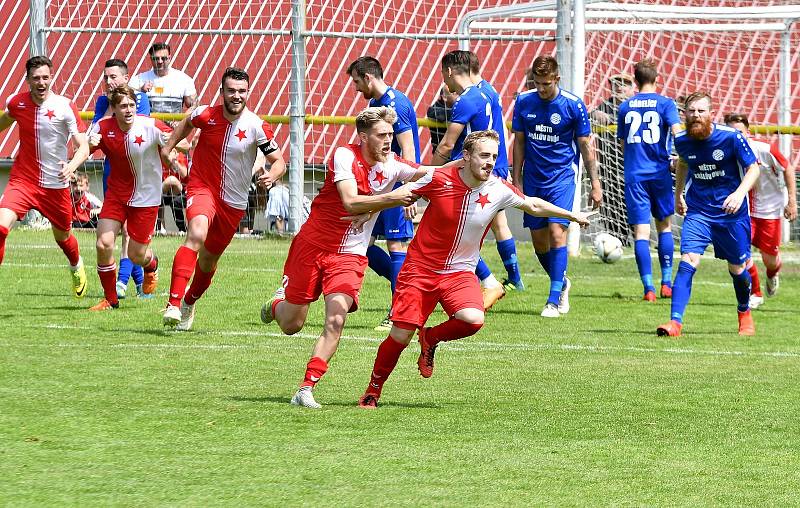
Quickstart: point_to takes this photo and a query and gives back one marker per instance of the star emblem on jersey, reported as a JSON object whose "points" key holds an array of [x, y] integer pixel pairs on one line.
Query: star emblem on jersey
{"points": [[139, 140], [50, 114], [483, 200], [718, 155], [379, 177], [241, 135], [555, 119]]}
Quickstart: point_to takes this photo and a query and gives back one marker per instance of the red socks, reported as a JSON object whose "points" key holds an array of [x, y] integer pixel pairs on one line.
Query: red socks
{"points": [[3, 235], [773, 273], [315, 369], [753, 270], [182, 268], [108, 278], [388, 354], [452, 329], [70, 248], [200, 283]]}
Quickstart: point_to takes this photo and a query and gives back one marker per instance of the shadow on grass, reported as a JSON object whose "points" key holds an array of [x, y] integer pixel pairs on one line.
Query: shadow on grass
{"points": [[338, 403]]}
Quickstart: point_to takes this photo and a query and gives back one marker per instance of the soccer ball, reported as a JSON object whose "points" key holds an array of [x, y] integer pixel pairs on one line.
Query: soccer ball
{"points": [[608, 248]]}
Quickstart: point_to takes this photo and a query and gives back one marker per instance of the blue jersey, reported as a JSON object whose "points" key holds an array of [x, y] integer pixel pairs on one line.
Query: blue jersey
{"points": [[497, 124], [716, 168], [473, 109], [406, 118], [644, 123], [101, 106], [551, 130]]}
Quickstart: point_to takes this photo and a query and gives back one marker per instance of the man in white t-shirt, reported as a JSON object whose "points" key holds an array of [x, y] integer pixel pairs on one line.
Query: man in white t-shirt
{"points": [[773, 198], [169, 90]]}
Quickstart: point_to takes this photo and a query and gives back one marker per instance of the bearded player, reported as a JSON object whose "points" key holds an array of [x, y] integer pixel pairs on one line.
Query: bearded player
{"points": [[40, 175], [219, 180], [440, 267]]}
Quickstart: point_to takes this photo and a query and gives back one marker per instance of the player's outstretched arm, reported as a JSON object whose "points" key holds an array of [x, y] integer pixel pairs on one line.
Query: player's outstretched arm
{"points": [[541, 208], [356, 204], [593, 170], [735, 199], [680, 182], [6, 121], [445, 148], [790, 211], [182, 130], [80, 147]]}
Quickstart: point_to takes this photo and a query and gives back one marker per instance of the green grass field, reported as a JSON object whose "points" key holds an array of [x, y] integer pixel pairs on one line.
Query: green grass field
{"points": [[591, 409]]}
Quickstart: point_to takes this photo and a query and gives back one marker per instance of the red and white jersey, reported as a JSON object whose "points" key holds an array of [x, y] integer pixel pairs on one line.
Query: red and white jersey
{"points": [[456, 221], [225, 154], [768, 196], [325, 227], [135, 177], [44, 132]]}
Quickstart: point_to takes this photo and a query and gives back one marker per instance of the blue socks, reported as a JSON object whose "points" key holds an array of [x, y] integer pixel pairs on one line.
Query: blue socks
{"points": [[125, 267], [641, 249], [558, 270], [544, 260], [137, 273], [742, 283], [482, 269], [380, 262], [682, 290], [508, 253], [397, 259], [666, 248]]}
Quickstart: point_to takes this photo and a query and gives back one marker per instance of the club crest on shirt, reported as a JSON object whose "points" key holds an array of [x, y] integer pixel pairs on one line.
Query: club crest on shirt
{"points": [[718, 155], [555, 119]]}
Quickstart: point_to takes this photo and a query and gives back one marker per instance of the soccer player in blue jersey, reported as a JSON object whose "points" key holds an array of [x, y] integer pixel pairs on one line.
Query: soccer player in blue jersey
{"points": [[718, 169], [551, 133], [646, 124], [394, 224], [478, 108], [115, 73]]}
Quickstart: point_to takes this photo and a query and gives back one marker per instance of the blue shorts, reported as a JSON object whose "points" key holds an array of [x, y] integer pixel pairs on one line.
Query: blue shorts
{"points": [[393, 225], [649, 197], [731, 239], [562, 196], [501, 172]]}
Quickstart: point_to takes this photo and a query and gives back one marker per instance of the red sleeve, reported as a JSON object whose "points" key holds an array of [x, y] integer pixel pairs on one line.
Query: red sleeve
{"points": [[410, 163], [200, 120], [773, 149], [267, 131], [514, 189], [163, 127]]}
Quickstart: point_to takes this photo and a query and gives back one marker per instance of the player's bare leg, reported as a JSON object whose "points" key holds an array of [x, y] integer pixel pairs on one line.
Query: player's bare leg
{"points": [[107, 231], [336, 308], [142, 255], [69, 245]]}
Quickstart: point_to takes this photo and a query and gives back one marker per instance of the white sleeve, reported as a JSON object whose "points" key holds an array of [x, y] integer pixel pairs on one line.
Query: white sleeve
{"points": [[136, 82], [405, 171], [343, 160]]}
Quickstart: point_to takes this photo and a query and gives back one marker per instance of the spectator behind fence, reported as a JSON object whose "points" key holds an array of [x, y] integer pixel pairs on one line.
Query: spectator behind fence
{"points": [[85, 205], [441, 111], [169, 90], [174, 181]]}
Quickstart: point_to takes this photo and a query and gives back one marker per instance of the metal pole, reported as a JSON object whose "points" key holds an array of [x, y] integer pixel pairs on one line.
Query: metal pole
{"points": [[38, 37], [297, 114], [785, 106]]}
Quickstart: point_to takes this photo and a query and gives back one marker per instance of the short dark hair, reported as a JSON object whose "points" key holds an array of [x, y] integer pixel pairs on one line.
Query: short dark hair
{"points": [[159, 46], [645, 72], [696, 96], [36, 62], [364, 65], [120, 92], [458, 61], [474, 63], [235, 73], [116, 62], [544, 66], [737, 118]]}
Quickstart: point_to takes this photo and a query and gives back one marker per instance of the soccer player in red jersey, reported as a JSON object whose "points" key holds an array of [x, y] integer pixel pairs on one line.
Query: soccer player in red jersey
{"points": [[328, 255], [440, 267], [40, 175], [132, 145], [772, 198], [219, 180]]}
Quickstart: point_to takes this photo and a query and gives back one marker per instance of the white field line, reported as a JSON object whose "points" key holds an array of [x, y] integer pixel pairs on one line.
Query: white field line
{"points": [[468, 346]]}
